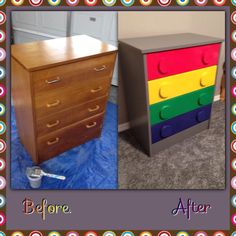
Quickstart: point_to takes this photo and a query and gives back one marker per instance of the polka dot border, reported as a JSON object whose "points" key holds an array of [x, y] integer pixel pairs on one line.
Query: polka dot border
{"points": [[17, 233], [3, 127], [127, 233], [2, 72], [72, 3], [2, 109], [200, 233], [54, 233], [54, 3], [72, 233], [146, 233], [2, 201], [35, 3], [219, 3], [109, 233], [201, 3], [233, 54], [164, 233], [2, 165], [2, 17], [145, 2], [35, 233], [91, 233], [90, 3], [182, 233], [233, 109], [127, 3], [2, 3], [182, 2], [17, 2], [2, 219], [233, 17], [109, 3], [164, 3]]}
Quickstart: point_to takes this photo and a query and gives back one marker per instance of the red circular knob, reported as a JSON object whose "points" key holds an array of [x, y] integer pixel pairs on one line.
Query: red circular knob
{"points": [[206, 58], [162, 67]]}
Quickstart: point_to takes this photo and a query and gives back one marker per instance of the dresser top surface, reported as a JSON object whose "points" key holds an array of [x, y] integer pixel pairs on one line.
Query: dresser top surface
{"points": [[53, 52], [169, 42]]}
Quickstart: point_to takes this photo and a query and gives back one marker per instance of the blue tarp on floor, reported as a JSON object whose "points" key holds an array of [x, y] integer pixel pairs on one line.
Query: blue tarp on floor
{"points": [[92, 165]]}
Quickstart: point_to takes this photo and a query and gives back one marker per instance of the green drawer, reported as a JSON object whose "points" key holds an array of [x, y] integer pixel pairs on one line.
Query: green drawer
{"points": [[176, 106]]}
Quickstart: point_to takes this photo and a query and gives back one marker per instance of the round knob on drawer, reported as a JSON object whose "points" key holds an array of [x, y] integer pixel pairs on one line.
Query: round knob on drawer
{"points": [[162, 67], [201, 116], [166, 131], [203, 99], [165, 112], [165, 91], [206, 58], [204, 81]]}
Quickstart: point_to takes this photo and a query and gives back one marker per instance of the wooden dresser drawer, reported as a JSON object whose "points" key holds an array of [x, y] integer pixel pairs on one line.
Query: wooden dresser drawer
{"points": [[64, 118], [59, 141], [78, 74], [179, 105], [176, 85], [163, 64], [60, 90], [60, 99], [180, 123]]}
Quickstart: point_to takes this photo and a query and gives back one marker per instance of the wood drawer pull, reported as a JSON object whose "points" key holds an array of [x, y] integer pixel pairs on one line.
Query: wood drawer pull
{"points": [[94, 109], [91, 125], [56, 103], [53, 124], [100, 69], [56, 140], [96, 90], [53, 81]]}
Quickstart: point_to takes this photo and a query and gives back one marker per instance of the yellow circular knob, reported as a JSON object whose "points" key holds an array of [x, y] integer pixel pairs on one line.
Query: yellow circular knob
{"points": [[204, 81], [165, 91]]}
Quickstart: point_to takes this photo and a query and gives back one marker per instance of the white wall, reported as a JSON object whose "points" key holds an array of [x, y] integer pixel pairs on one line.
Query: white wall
{"points": [[29, 26]]}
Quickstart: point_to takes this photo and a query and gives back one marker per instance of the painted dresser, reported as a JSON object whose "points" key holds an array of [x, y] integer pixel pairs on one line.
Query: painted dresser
{"points": [[169, 84], [60, 89]]}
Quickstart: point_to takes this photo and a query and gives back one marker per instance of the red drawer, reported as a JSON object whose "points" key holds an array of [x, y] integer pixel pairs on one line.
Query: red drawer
{"points": [[166, 63]]}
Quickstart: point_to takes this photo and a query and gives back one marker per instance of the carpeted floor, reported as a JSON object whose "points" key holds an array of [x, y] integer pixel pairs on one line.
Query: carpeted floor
{"points": [[195, 163], [92, 165]]}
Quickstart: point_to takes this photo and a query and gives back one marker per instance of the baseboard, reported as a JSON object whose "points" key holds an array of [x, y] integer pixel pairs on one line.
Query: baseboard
{"points": [[217, 98], [123, 127], [36, 33], [126, 126]]}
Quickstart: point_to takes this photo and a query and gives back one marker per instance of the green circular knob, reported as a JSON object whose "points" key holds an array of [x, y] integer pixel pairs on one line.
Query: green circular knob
{"points": [[165, 112], [203, 99]]}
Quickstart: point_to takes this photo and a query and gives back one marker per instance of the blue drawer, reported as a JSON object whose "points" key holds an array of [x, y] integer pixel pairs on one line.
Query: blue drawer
{"points": [[179, 123]]}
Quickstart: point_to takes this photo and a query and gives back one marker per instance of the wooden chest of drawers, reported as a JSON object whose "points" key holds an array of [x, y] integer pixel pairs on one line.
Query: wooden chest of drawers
{"points": [[169, 84], [60, 89]]}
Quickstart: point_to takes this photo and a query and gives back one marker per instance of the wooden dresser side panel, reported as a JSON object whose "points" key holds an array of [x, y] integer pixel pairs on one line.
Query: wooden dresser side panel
{"points": [[133, 76], [23, 106]]}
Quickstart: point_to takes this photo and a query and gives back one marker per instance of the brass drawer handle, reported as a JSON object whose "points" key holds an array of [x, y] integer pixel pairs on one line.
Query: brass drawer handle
{"points": [[54, 104], [96, 90], [94, 109], [56, 140], [53, 124], [53, 81], [91, 125], [100, 69]]}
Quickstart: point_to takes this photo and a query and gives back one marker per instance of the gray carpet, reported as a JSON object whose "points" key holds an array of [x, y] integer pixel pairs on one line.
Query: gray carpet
{"points": [[195, 163]]}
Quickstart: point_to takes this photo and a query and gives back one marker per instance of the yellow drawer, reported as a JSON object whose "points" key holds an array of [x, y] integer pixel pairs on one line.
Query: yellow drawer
{"points": [[176, 85]]}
